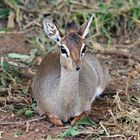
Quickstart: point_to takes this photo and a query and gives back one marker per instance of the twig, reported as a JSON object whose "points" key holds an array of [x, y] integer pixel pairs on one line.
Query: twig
{"points": [[3, 118], [117, 100], [128, 46], [22, 122], [127, 86], [114, 119], [27, 127], [101, 124], [12, 32], [81, 4], [137, 42], [3, 110], [120, 53], [113, 136], [5, 99]]}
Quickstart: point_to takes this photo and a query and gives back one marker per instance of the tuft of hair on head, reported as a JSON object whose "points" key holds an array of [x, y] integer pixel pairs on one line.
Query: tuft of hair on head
{"points": [[71, 26]]}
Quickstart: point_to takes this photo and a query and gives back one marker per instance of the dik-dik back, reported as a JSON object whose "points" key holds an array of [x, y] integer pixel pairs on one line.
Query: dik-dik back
{"points": [[68, 80]]}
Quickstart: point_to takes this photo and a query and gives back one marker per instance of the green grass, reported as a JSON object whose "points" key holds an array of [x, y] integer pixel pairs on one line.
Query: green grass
{"points": [[111, 19]]}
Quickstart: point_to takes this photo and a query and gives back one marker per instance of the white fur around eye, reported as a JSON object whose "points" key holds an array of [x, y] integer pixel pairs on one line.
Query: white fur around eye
{"points": [[64, 55], [67, 50], [82, 54]]}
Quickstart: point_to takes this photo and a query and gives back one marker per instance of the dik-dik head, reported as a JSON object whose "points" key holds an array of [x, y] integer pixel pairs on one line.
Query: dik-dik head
{"points": [[72, 46]]}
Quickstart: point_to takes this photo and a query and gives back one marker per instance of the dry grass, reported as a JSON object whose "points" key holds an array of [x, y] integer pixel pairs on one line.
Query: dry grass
{"points": [[114, 37]]}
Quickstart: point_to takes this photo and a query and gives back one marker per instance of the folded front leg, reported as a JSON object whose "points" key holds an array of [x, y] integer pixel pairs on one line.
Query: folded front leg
{"points": [[79, 117]]}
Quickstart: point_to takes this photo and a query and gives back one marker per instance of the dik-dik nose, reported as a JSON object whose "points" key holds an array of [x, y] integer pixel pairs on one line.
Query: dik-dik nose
{"points": [[78, 68], [78, 65]]}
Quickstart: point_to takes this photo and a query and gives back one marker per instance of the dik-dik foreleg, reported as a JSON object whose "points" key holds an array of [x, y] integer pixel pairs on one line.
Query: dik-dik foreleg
{"points": [[55, 120]]}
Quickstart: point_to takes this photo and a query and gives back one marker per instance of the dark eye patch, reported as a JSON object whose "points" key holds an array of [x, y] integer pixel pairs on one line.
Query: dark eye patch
{"points": [[84, 49], [63, 50]]}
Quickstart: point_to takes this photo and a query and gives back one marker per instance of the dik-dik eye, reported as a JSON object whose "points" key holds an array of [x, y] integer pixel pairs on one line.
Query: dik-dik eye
{"points": [[83, 49], [64, 51]]}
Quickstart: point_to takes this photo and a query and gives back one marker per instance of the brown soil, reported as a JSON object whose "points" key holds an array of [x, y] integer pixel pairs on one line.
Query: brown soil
{"points": [[13, 43]]}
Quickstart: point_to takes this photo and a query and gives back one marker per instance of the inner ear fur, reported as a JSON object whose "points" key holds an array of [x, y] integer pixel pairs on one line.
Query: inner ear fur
{"points": [[84, 29], [52, 31]]}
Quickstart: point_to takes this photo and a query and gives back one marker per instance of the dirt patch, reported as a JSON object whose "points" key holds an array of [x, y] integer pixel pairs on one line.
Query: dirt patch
{"points": [[13, 43]]}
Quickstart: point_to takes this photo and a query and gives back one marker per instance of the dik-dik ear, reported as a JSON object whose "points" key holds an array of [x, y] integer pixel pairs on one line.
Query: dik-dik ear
{"points": [[52, 31], [84, 29]]}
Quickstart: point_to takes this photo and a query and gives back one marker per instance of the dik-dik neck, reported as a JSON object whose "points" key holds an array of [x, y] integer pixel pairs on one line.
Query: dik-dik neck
{"points": [[69, 82]]}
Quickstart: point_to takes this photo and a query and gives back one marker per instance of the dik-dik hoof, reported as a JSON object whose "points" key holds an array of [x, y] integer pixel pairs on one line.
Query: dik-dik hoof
{"points": [[55, 120]]}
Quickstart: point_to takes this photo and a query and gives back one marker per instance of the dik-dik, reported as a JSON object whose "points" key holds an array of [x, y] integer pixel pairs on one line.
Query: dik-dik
{"points": [[68, 81]]}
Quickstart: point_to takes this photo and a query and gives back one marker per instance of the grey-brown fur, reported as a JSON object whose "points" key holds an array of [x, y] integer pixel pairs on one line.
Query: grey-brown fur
{"points": [[60, 89], [72, 95]]}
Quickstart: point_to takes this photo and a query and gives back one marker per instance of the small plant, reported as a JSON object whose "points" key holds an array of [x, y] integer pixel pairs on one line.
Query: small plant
{"points": [[17, 133], [29, 113], [75, 131]]}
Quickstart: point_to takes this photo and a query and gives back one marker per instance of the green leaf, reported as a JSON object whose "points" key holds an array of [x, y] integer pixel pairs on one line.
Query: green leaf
{"points": [[19, 112], [29, 113], [54, 2], [17, 133], [33, 105], [18, 56], [14, 3], [72, 131], [3, 82], [4, 30], [10, 107], [4, 13], [5, 65], [86, 121], [103, 7], [101, 132]]}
